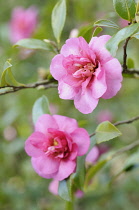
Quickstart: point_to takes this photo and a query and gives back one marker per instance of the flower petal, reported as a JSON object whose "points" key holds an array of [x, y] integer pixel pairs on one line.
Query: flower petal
{"points": [[65, 123], [81, 138], [72, 81], [113, 71], [85, 103], [99, 86], [72, 47], [93, 155], [56, 68], [34, 144], [44, 122], [66, 91], [97, 44], [66, 168], [45, 165], [74, 152]]}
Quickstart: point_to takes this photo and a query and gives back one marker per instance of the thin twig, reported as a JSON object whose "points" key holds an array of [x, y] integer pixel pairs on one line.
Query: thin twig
{"points": [[42, 84], [130, 71], [121, 123], [127, 121], [125, 69], [120, 152], [126, 148], [125, 54], [93, 134]]}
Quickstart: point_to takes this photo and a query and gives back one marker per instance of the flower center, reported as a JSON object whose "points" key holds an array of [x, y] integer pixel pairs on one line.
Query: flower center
{"points": [[57, 144], [84, 71]]}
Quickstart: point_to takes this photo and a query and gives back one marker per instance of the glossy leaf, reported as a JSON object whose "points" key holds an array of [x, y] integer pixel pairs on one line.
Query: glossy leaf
{"points": [[58, 18], [106, 131], [125, 8], [34, 44], [132, 162], [40, 107], [86, 32], [115, 40], [7, 77], [97, 31], [79, 176], [106, 23], [64, 190], [136, 35], [92, 171]]}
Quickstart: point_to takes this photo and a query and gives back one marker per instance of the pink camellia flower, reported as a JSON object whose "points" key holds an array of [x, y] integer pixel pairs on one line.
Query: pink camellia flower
{"points": [[55, 145], [23, 23], [95, 153], [86, 72]]}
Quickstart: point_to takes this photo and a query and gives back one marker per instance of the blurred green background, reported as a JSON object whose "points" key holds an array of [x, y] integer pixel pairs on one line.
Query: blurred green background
{"points": [[20, 186]]}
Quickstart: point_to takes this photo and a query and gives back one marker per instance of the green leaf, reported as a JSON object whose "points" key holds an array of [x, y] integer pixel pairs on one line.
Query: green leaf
{"points": [[69, 205], [130, 63], [114, 41], [7, 77], [136, 35], [41, 106], [79, 176], [92, 171], [58, 18], [125, 8], [106, 23], [86, 31], [106, 131], [97, 31], [7, 66], [64, 189], [131, 162], [34, 44]]}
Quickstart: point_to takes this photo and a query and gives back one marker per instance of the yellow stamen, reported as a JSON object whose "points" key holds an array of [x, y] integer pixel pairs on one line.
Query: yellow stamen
{"points": [[55, 143]]}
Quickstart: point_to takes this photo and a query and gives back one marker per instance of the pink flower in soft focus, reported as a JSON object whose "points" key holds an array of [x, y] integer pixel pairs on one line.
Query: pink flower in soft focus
{"points": [[123, 23], [53, 108], [95, 153], [53, 188], [86, 72], [23, 23], [55, 145], [79, 194], [104, 115]]}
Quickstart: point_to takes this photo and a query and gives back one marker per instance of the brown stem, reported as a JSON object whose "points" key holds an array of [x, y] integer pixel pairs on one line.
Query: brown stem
{"points": [[125, 54], [125, 69], [42, 84], [130, 71], [127, 121]]}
